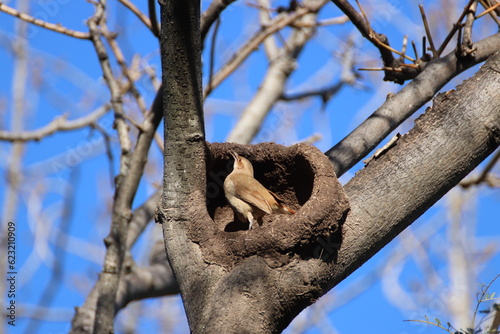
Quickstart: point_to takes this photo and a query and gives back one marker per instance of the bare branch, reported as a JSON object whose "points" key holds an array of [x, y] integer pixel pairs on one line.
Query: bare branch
{"points": [[212, 54], [50, 26], [378, 40], [484, 174], [455, 27], [428, 32], [239, 56], [400, 106], [156, 280], [143, 17], [209, 16], [489, 10], [58, 124], [467, 46], [270, 46], [326, 93], [155, 26], [120, 58], [141, 217], [273, 84], [114, 88]]}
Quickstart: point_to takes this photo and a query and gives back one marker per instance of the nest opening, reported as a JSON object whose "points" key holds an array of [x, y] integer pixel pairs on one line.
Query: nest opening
{"points": [[289, 175]]}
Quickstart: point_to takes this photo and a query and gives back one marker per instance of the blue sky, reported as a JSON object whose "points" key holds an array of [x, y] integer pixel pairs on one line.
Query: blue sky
{"points": [[65, 77]]}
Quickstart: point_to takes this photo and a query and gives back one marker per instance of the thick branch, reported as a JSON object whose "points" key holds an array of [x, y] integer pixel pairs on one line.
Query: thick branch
{"points": [[156, 280], [448, 142], [50, 26], [365, 29], [184, 177], [271, 89], [402, 105]]}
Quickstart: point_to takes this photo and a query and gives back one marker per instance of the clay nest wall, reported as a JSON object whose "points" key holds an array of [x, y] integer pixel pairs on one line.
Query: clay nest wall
{"points": [[304, 179]]}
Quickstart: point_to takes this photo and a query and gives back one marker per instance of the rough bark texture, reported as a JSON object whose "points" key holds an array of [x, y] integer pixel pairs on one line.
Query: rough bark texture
{"points": [[301, 176], [437, 73], [184, 145], [447, 142], [235, 281]]}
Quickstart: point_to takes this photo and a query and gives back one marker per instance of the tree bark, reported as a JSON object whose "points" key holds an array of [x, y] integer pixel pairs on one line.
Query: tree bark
{"points": [[252, 295], [184, 146]]}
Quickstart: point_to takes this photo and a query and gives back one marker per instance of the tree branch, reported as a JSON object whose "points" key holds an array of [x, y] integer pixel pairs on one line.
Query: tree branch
{"points": [[50, 26], [447, 142], [185, 148], [131, 169], [366, 30], [272, 87], [140, 15], [403, 104], [211, 14], [239, 56], [58, 124]]}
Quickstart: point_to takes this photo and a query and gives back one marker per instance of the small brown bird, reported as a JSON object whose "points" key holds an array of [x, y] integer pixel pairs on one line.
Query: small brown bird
{"points": [[249, 199]]}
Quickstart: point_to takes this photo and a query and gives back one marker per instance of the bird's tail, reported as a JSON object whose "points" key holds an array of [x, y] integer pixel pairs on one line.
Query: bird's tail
{"points": [[286, 210]]}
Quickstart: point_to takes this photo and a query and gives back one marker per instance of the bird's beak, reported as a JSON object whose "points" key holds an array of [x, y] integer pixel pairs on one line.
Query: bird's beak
{"points": [[234, 154]]}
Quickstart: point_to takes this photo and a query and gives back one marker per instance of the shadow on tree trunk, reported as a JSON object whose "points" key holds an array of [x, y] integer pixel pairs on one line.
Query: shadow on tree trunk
{"points": [[302, 176]]}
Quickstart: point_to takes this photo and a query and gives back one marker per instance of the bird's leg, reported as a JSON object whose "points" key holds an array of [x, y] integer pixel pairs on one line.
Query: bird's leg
{"points": [[250, 220]]}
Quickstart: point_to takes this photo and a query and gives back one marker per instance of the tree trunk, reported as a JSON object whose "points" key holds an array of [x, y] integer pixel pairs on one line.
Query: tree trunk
{"points": [[253, 295]]}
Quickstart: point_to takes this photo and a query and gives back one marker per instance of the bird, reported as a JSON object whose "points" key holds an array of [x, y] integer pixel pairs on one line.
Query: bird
{"points": [[248, 198]]}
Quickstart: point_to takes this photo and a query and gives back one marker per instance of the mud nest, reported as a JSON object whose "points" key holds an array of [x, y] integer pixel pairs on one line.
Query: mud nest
{"points": [[302, 176]]}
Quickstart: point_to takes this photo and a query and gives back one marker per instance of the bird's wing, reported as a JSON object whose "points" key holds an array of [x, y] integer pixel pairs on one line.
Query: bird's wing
{"points": [[251, 191], [276, 197]]}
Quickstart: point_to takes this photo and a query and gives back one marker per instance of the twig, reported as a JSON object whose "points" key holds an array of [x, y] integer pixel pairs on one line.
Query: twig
{"points": [[240, 55], [435, 54], [141, 217], [401, 54], [140, 15], [155, 26], [482, 177], [403, 50], [114, 88], [212, 54], [455, 27], [378, 40], [431, 323], [346, 77], [415, 51], [321, 23], [489, 10], [467, 47], [109, 151], [211, 14], [50, 26], [120, 58], [58, 124], [325, 93], [270, 46], [385, 119], [481, 295], [59, 258]]}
